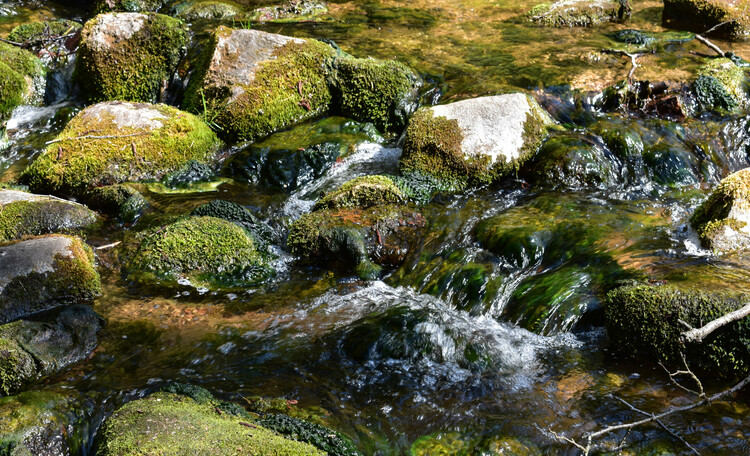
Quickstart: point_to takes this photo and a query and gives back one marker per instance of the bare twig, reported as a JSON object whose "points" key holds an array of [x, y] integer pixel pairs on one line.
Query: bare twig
{"points": [[673, 376], [714, 47], [96, 137], [698, 334], [11, 42], [633, 60], [108, 246], [720, 24]]}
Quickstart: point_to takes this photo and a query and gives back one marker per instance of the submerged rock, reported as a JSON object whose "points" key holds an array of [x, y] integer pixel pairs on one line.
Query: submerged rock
{"points": [[25, 214], [474, 141], [133, 141], [191, 10], [291, 11], [30, 350], [45, 423], [578, 13], [723, 220], [701, 15], [128, 56], [168, 423], [207, 251], [644, 320], [121, 201], [22, 78], [261, 233]]}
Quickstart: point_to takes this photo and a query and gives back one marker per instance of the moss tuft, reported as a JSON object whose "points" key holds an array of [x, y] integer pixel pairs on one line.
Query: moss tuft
{"points": [[131, 69], [16, 365], [645, 320]]}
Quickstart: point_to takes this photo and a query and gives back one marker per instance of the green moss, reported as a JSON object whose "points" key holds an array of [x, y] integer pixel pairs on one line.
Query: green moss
{"points": [[291, 11], [644, 320], [330, 441], [583, 13], [383, 92], [363, 192], [31, 218], [172, 424], [16, 365], [13, 88], [132, 6], [74, 164], [21, 78], [132, 69], [208, 250], [261, 233], [711, 215], [33, 31], [191, 10], [720, 85], [121, 201]]}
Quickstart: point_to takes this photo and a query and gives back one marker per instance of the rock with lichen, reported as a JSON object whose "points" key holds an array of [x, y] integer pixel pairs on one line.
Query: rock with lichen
{"points": [[26, 214], [723, 220], [128, 56], [206, 251], [43, 273], [475, 141], [132, 141], [22, 78], [32, 349], [578, 13], [731, 19], [366, 223]]}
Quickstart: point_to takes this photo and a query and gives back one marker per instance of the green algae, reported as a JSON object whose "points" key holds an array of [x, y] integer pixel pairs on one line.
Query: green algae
{"points": [[142, 62], [720, 86]]}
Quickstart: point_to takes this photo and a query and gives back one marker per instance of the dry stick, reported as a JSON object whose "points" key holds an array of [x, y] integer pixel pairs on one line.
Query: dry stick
{"points": [[651, 418], [698, 334], [103, 247], [633, 60], [714, 47], [95, 137]]}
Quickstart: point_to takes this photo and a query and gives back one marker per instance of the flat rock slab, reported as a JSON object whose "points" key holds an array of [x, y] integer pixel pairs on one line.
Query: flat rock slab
{"points": [[27, 214], [43, 273]]}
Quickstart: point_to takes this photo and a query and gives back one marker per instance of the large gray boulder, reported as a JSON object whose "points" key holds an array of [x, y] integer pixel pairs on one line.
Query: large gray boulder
{"points": [[26, 214], [474, 141], [43, 273]]}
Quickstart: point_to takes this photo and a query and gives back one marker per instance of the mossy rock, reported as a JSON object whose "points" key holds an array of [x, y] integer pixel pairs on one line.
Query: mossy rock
{"points": [[132, 141], [720, 86], [128, 56], [363, 192], [191, 10], [22, 78], [261, 233], [131, 6], [208, 251], [644, 320], [25, 214], [475, 141], [290, 11], [119, 200], [43, 273], [281, 81], [44, 423], [380, 91], [722, 220], [368, 238], [166, 423], [577, 13], [701, 15], [331, 442], [34, 31], [30, 350]]}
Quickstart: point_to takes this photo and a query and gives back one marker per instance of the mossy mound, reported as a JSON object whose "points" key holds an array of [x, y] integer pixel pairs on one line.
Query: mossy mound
{"points": [[363, 192], [128, 56], [115, 142], [644, 320], [720, 86], [475, 141], [131, 6], [206, 250], [121, 201], [191, 10], [43, 273], [722, 220], [577, 13], [44, 423], [383, 92], [173, 424], [22, 78], [261, 233], [367, 238], [701, 15], [34, 31], [25, 214], [291, 11], [30, 350]]}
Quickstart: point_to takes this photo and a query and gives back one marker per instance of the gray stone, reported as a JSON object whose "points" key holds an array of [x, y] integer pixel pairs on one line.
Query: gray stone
{"points": [[27, 214]]}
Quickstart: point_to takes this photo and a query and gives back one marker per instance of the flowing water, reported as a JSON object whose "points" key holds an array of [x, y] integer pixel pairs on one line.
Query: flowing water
{"points": [[483, 348]]}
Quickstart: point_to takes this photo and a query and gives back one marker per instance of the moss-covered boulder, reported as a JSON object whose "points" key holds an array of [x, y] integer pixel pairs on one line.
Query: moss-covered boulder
{"points": [[119, 200], [131, 6], [116, 142], [30, 349], [383, 92], [128, 56], [45, 423], [290, 11], [191, 10], [363, 192], [166, 423], [54, 42], [25, 214], [43, 273], [476, 141], [644, 320], [720, 86], [252, 83], [723, 220], [701, 15], [207, 251], [22, 78], [261, 233], [578, 13]]}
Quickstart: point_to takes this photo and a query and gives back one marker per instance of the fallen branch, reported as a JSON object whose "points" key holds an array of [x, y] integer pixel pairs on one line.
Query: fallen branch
{"points": [[714, 47], [96, 137], [633, 60], [108, 246], [698, 334]]}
